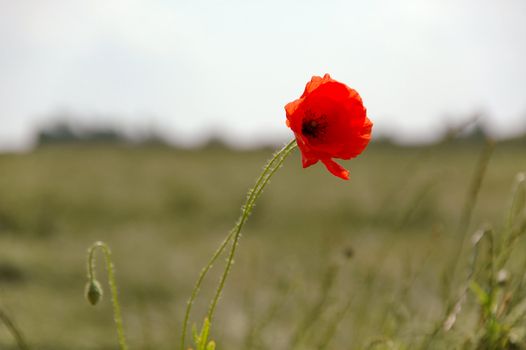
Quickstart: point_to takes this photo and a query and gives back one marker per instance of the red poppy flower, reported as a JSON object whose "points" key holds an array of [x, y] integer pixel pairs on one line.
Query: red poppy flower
{"points": [[329, 121]]}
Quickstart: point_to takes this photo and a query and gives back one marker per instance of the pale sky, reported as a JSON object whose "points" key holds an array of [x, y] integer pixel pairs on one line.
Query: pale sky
{"points": [[191, 67]]}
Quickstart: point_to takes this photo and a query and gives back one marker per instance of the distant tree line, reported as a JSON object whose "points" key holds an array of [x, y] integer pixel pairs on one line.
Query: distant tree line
{"points": [[67, 132], [64, 132]]}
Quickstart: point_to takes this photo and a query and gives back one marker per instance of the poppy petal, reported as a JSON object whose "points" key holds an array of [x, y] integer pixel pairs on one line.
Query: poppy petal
{"points": [[329, 122], [316, 82], [336, 169], [307, 162]]}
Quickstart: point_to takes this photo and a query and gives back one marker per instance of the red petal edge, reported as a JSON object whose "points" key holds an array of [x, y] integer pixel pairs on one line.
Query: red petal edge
{"points": [[336, 169]]}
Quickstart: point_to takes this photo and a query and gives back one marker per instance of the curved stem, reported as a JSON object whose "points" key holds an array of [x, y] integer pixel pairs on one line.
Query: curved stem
{"points": [[113, 287], [249, 204], [199, 282], [264, 178], [15, 331]]}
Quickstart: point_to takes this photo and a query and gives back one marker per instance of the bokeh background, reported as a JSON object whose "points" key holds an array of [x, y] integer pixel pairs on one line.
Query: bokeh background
{"points": [[143, 124]]}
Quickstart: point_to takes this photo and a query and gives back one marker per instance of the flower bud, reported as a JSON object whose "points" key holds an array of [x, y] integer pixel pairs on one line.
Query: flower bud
{"points": [[93, 292]]}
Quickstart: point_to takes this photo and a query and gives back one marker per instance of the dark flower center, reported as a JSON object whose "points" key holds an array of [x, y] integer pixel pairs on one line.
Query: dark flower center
{"points": [[312, 126]]}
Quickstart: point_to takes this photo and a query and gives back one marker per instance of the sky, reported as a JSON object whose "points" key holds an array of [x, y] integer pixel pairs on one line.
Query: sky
{"points": [[191, 68]]}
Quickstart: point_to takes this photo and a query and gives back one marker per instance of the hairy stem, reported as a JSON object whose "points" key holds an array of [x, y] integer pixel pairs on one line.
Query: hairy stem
{"points": [[270, 170], [272, 166], [113, 287]]}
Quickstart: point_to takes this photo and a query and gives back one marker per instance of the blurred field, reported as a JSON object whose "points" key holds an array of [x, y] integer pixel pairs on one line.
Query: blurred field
{"points": [[374, 252]]}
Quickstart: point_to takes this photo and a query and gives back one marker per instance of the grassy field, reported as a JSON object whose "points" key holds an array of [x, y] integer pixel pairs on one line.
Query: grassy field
{"points": [[377, 262]]}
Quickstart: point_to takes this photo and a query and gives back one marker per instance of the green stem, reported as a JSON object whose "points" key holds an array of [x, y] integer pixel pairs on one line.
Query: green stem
{"points": [[113, 287], [199, 282], [268, 171], [469, 206], [15, 331], [264, 178]]}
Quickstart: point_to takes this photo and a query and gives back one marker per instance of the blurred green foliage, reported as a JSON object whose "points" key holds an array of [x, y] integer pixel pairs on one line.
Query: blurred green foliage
{"points": [[323, 263]]}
